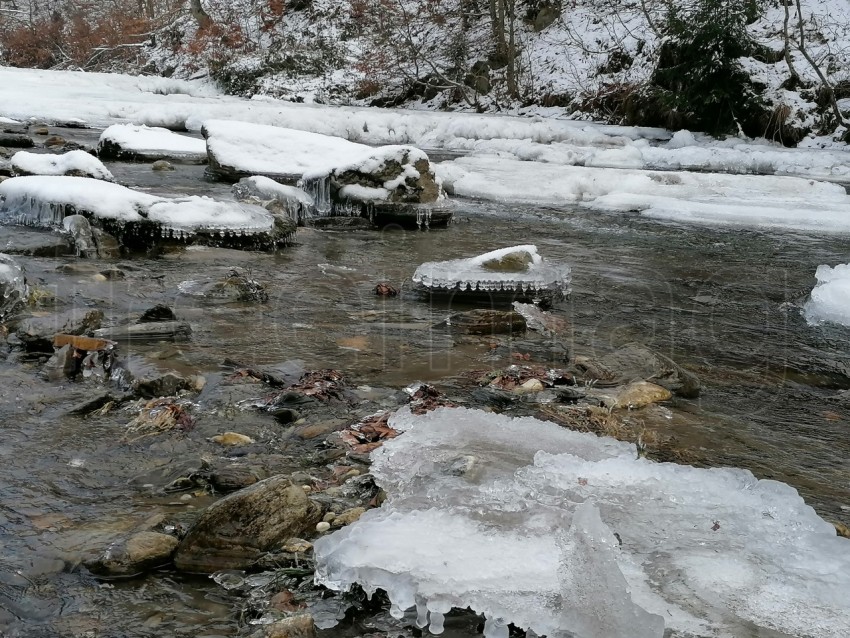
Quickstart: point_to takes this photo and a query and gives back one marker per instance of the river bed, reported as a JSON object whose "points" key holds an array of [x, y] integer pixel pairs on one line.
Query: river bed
{"points": [[724, 303]]}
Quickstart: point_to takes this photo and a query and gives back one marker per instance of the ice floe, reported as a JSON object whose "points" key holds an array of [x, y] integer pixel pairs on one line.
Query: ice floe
{"points": [[569, 534], [830, 298]]}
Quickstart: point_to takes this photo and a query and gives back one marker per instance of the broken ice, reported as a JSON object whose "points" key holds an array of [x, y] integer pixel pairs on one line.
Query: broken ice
{"points": [[572, 535]]}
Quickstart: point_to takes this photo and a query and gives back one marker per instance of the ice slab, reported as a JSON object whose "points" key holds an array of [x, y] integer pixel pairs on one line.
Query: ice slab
{"points": [[572, 535], [76, 163], [45, 201], [789, 203], [13, 285], [137, 141], [830, 298], [506, 269]]}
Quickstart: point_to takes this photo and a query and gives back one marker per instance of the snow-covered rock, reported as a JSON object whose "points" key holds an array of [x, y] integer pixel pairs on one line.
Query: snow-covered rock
{"points": [[830, 299], [241, 149], [570, 534], [137, 142], [139, 217], [13, 285], [518, 272], [73, 163]]}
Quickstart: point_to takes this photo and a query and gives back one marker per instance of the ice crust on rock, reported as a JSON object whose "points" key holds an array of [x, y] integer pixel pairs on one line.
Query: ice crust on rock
{"points": [[45, 201], [830, 298], [151, 142], [13, 285], [572, 535], [78, 163], [297, 203], [472, 273]]}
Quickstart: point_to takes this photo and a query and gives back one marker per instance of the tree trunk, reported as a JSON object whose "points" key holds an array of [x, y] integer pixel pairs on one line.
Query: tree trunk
{"points": [[201, 17], [795, 77], [830, 93]]}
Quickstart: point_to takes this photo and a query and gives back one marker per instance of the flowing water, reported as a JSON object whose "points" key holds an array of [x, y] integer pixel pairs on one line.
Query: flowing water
{"points": [[725, 303]]}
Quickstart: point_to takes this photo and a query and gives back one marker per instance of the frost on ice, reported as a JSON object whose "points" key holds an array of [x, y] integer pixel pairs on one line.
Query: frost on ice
{"points": [[570, 535], [73, 163], [516, 268], [148, 143], [830, 299], [13, 285], [45, 201]]}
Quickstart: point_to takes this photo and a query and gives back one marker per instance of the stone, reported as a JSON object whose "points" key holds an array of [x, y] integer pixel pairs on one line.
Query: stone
{"points": [[159, 312], [518, 261], [40, 130], [232, 477], [61, 365], [162, 165], [635, 361], [349, 516], [37, 332], [639, 394], [135, 555], [531, 386], [232, 439], [165, 385], [403, 170], [108, 247], [314, 430], [15, 140], [25, 240], [55, 140], [323, 527], [485, 322], [237, 530], [153, 331], [298, 626]]}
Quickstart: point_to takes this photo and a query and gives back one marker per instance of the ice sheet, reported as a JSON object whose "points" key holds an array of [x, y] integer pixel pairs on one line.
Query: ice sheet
{"points": [[558, 531]]}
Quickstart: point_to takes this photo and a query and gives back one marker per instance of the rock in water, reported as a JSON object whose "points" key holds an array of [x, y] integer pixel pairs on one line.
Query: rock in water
{"points": [[73, 163], [139, 553], [238, 529], [485, 322], [639, 394], [487, 277], [298, 626], [635, 361], [139, 143], [13, 286], [81, 234], [37, 333]]}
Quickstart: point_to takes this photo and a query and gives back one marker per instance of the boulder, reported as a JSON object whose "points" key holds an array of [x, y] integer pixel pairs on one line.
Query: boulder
{"points": [[73, 163], [135, 555], [139, 143], [639, 394], [15, 140], [37, 333], [22, 240], [237, 530]]}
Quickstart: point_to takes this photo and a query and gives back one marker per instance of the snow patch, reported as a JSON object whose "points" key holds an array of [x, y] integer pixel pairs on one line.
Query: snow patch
{"points": [[153, 142], [78, 162], [830, 299]]}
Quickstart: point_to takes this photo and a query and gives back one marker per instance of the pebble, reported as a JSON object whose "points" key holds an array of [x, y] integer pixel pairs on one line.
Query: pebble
{"points": [[232, 438], [322, 527], [329, 517], [162, 165], [529, 387]]}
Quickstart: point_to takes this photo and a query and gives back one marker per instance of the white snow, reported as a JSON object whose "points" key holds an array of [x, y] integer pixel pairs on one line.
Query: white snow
{"points": [[272, 150], [270, 189], [830, 298], [152, 141], [8, 120], [470, 273], [705, 198], [363, 193], [80, 162], [42, 200], [557, 531]]}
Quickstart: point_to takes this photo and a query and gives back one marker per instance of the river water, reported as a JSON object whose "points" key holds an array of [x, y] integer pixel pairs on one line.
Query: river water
{"points": [[724, 303]]}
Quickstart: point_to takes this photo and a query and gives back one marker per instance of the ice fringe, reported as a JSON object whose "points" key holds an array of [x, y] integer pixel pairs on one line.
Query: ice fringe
{"points": [[706, 552], [471, 274]]}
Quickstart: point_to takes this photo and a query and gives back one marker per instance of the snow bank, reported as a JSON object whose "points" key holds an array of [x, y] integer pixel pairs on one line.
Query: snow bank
{"points": [[830, 299], [705, 198], [76, 163], [515, 267], [564, 533], [44, 201], [241, 149], [132, 141]]}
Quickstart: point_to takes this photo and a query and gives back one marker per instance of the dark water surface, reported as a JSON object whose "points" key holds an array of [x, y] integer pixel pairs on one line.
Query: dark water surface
{"points": [[725, 303]]}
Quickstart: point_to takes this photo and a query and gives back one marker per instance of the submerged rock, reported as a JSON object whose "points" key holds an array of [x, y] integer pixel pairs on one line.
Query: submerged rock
{"points": [[639, 394], [139, 143], [637, 362], [139, 553], [499, 277], [151, 331], [37, 333], [485, 322], [15, 140], [237, 530]]}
